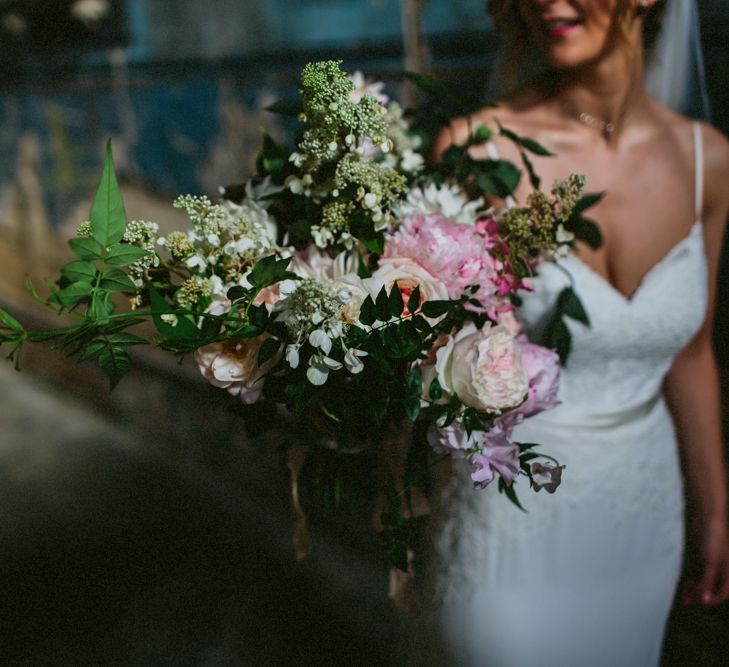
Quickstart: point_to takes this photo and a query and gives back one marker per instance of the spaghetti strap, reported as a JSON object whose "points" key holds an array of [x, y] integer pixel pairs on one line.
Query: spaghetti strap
{"points": [[698, 172], [493, 154]]}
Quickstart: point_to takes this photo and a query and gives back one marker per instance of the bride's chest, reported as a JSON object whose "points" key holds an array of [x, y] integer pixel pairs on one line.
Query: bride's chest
{"points": [[648, 207]]}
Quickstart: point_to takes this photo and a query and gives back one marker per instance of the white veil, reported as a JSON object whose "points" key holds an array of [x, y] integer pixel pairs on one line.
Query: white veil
{"points": [[674, 72]]}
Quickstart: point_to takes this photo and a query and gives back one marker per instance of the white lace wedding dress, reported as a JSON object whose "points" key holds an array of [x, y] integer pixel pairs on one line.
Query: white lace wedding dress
{"points": [[585, 578]]}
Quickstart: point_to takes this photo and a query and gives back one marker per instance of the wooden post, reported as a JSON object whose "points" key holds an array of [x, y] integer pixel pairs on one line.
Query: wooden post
{"points": [[413, 45]]}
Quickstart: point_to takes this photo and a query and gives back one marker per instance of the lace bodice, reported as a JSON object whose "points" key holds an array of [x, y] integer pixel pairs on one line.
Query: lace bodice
{"points": [[618, 363]]}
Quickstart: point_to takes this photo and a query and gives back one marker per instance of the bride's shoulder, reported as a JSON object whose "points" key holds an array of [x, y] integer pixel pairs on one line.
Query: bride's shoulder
{"points": [[714, 154], [518, 113], [716, 168]]}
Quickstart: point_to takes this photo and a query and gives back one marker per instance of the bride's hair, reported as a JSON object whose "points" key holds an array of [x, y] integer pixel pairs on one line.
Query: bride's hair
{"points": [[674, 73], [508, 20]]}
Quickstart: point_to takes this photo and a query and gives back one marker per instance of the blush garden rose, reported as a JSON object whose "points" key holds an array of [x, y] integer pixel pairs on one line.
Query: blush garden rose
{"points": [[483, 368]]}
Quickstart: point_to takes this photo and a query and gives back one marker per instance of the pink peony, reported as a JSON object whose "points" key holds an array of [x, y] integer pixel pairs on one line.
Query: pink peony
{"points": [[456, 254], [542, 369], [233, 365]]}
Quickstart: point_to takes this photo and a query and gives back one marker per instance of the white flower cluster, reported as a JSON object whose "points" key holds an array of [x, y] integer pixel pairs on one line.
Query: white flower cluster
{"points": [[318, 313], [404, 153], [144, 235], [446, 200], [225, 242], [345, 160]]}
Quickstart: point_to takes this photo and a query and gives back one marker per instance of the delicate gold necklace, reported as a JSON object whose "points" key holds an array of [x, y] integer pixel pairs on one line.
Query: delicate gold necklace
{"points": [[606, 128]]}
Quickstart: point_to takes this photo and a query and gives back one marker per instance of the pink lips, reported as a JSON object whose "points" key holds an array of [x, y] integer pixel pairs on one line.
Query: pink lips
{"points": [[558, 28]]}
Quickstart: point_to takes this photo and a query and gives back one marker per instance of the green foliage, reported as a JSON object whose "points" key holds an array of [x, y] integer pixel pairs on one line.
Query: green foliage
{"points": [[86, 249], [108, 218], [557, 335], [270, 270], [509, 491], [584, 228], [272, 158], [124, 255], [524, 142], [179, 327]]}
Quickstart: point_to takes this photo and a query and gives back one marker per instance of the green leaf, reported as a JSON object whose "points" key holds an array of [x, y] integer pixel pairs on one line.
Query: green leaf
{"points": [[363, 270], [93, 349], [272, 158], [8, 321], [382, 305], [80, 270], [101, 306], [269, 348], [570, 305], [453, 157], [415, 382], [259, 316], [412, 408], [558, 337], [363, 228], [436, 308], [115, 280], [414, 300], [86, 249], [421, 324], [108, 218], [74, 294], [270, 270], [509, 491], [524, 142], [375, 244], [114, 361], [412, 338], [124, 254], [396, 302], [124, 338], [183, 330], [248, 331], [587, 230], [292, 107], [533, 176], [587, 201], [497, 177], [435, 391], [368, 312]]}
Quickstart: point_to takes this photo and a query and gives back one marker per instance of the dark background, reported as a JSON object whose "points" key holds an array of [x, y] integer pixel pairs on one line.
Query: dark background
{"points": [[145, 527]]}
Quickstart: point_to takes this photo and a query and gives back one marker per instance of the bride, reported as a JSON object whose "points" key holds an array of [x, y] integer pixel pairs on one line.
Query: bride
{"points": [[587, 576]]}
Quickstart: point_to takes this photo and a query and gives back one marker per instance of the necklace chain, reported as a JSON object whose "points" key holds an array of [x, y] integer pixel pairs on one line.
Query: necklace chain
{"points": [[605, 127]]}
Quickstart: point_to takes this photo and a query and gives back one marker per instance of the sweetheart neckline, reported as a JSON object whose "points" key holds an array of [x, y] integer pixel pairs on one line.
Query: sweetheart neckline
{"points": [[670, 253]]}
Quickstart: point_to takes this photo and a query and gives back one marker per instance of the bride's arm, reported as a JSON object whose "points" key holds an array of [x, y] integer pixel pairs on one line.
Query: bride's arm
{"points": [[692, 389]]}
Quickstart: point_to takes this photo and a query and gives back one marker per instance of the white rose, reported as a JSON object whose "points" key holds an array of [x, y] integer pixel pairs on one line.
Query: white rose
{"points": [[408, 275], [353, 288], [483, 368]]}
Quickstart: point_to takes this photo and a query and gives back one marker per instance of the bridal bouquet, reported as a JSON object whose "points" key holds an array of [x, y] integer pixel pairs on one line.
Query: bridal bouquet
{"points": [[348, 282]]}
